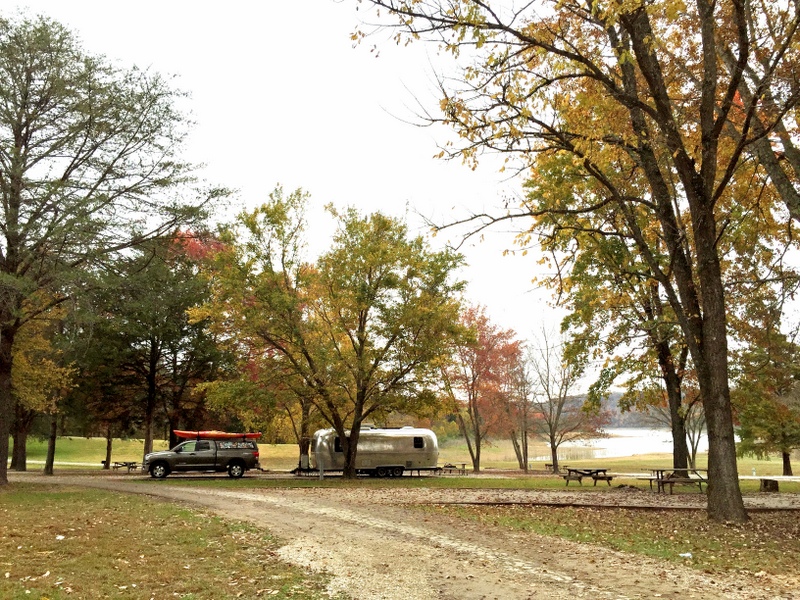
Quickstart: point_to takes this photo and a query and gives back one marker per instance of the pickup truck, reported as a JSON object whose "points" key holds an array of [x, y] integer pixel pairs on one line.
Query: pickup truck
{"points": [[232, 455]]}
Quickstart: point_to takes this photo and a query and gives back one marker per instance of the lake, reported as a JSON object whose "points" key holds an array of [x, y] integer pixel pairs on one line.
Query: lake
{"points": [[622, 442]]}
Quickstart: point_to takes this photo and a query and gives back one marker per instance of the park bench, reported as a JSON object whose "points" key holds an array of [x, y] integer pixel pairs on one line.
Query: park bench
{"points": [[572, 477]]}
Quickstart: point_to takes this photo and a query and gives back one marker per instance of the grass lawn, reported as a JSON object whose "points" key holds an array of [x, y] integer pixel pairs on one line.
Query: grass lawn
{"points": [[92, 544]]}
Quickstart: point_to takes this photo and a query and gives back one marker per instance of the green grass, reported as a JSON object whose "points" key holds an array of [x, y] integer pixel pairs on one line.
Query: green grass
{"points": [[94, 544], [89, 450]]}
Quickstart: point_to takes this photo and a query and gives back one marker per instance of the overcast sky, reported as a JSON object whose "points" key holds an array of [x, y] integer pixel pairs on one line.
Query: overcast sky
{"points": [[280, 96]]}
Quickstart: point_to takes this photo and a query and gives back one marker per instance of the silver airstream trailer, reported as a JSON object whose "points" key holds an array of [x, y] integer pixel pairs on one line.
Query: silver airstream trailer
{"points": [[381, 452]]}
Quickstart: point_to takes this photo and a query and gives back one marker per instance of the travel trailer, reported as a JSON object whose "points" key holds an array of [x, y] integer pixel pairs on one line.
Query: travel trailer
{"points": [[381, 452]]}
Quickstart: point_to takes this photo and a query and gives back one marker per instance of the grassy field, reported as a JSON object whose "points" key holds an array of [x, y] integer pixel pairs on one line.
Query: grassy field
{"points": [[140, 549]]}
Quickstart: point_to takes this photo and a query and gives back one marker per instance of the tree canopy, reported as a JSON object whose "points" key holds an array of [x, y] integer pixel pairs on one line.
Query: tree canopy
{"points": [[477, 380], [656, 106], [359, 333], [89, 165]]}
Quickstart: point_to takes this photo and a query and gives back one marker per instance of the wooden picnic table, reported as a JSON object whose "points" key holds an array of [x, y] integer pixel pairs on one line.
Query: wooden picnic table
{"points": [[577, 474], [451, 468], [549, 467], [670, 476], [130, 465]]}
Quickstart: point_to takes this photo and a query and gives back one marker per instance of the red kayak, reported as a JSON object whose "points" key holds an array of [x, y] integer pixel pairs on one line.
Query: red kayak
{"points": [[216, 435]]}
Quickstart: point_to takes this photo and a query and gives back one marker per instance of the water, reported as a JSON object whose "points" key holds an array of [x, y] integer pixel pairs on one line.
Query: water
{"points": [[627, 441]]}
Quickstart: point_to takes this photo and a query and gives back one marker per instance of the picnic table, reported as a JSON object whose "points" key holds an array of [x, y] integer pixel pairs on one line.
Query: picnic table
{"points": [[125, 464], [671, 477], [451, 468], [577, 474], [549, 467]]}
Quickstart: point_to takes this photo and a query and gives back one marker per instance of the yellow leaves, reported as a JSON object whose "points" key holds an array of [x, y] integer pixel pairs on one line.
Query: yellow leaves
{"points": [[38, 374], [199, 313], [672, 10]]}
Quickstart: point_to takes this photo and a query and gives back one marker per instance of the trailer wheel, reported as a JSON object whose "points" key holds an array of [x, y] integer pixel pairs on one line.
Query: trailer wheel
{"points": [[397, 472], [381, 472]]}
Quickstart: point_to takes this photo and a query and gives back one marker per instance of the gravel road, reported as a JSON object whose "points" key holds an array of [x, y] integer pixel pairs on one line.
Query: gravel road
{"points": [[376, 547]]}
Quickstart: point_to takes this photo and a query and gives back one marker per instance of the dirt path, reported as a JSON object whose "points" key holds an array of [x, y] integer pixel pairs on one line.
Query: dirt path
{"points": [[375, 548]]}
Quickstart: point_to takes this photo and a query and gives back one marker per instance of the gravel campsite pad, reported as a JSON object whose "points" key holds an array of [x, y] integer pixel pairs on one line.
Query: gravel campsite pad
{"points": [[375, 545]]}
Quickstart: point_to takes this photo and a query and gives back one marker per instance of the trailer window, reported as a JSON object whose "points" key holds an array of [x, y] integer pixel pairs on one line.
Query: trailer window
{"points": [[419, 442]]}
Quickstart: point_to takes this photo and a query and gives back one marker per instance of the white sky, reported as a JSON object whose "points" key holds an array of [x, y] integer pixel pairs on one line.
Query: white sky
{"points": [[281, 96]]}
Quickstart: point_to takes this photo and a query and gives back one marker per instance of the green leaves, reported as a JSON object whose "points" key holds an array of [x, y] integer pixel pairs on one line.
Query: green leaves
{"points": [[358, 333]]}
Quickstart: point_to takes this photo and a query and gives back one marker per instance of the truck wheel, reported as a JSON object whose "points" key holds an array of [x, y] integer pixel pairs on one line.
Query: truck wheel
{"points": [[397, 472], [381, 472], [159, 470], [236, 469]]}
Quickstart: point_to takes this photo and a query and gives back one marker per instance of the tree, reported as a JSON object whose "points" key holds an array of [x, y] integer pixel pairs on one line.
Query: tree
{"points": [[517, 398], [767, 395], [667, 99], [146, 340], [617, 313], [475, 377], [656, 406], [88, 167], [559, 415], [769, 425], [360, 334], [40, 378]]}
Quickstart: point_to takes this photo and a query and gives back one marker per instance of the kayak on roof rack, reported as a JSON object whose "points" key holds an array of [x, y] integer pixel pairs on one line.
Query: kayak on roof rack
{"points": [[216, 435]]}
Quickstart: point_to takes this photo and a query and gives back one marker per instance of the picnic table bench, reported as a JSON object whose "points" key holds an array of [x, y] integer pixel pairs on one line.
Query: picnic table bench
{"points": [[578, 475], [130, 465], [672, 477], [549, 467], [451, 468]]}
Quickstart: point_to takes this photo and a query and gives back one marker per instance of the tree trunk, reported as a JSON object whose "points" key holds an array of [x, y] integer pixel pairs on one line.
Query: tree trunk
{"points": [[462, 426], [515, 443], [304, 439], [525, 450], [350, 449], [672, 383], [150, 406], [23, 421], [787, 463], [49, 463], [725, 501], [148, 428], [7, 401], [109, 444], [16, 445], [554, 456]]}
